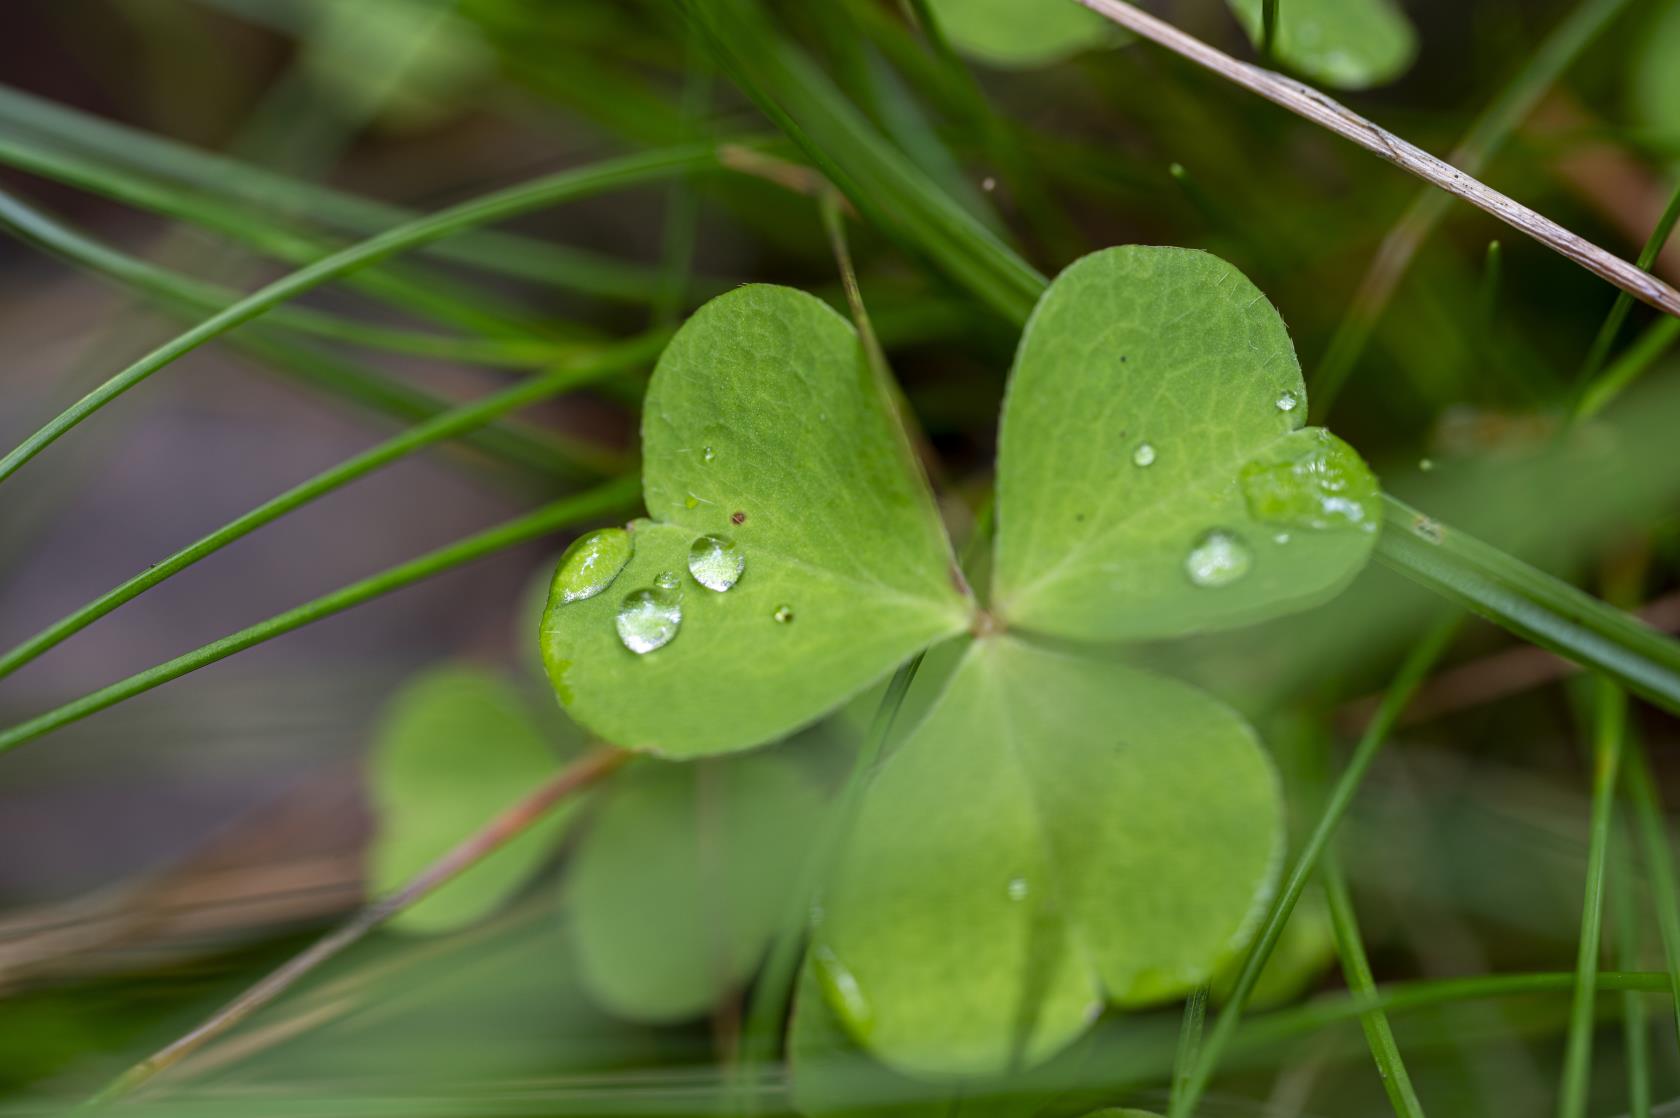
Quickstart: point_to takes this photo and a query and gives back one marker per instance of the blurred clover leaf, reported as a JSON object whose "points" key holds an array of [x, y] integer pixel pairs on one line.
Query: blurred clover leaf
{"points": [[1059, 832], [458, 746], [1349, 44], [1022, 33]]}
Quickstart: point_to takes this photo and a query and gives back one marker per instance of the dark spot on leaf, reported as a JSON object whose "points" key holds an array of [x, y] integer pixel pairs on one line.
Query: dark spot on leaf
{"points": [[737, 518]]}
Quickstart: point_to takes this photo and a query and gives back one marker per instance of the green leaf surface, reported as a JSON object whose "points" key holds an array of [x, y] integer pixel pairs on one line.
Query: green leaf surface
{"points": [[1058, 833], [458, 746], [1154, 478], [676, 888], [1022, 33], [1349, 44], [763, 425]]}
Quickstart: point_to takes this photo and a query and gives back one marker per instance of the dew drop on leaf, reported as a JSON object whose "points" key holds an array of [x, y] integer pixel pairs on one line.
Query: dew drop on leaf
{"points": [[590, 564], [840, 987], [1218, 559], [1325, 486], [707, 454], [668, 580], [1018, 889], [1287, 401], [783, 614], [716, 562], [649, 619], [1144, 455]]}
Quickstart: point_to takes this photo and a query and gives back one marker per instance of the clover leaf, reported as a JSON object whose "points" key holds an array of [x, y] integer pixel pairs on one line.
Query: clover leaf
{"points": [[1022, 33], [457, 746], [1350, 44], [793, 557], [1060, 832]]}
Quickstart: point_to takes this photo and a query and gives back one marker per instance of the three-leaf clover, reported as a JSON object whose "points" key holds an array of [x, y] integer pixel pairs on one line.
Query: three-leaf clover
{"points": [[1059, 832]]}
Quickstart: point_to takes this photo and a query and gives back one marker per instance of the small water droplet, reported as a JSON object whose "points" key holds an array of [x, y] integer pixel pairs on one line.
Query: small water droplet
{"points": [[649, 619], [841, 987], [1218, 559], [707, 454], [716, 562], [1144, 455], [783, 614], [1018, 889], [988, 184], [1287, 401], [668, 580], [590, 564], [1324, 486], [1426, 464], [1281, 537]]}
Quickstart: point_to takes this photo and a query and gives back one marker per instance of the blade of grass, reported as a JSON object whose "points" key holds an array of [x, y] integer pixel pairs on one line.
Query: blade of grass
{"points": [[496, 206], [608, 498], [223, 177], [1624, 302], [1268, 31], [1356, 969], [1532, 604], [36, 227], [450, 424], [1658, 855], [1636, 1022], [497, 832], [1486, 136], [1640, 356], [1189, 1038], [1406, 680], [1321, 109], [1610, 715]]}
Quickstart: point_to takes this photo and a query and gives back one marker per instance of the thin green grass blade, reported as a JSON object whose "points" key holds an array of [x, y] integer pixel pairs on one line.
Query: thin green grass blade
{"points": [[1636, 1017], [1624, 302], [1532, 604], [1406, 680], [1652, 832], [450, 424], [1609, 720], [609, 498], [493, 207], [1356, 968], [1657, 339]]}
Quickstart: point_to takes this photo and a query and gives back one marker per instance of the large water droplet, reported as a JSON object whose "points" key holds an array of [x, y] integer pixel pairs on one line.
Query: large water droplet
{"points": [[1325, 485], [716, 562], [590, 564], [1144, 455], [1218, 559], [840, 986], [649, 619], [1287, 401]]}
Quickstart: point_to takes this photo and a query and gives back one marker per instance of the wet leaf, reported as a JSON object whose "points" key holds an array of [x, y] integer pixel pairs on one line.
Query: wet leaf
{"points": [[1060, 833], [1154, 478], [764, 427]]}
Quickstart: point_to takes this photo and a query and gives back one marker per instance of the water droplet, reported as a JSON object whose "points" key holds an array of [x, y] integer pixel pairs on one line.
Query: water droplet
{"points": [[783, 614], [1018, 889], [590, 564], [649, 619], [715, 562], [1325, 485], [840, 986], [707, 454], [668, 580], [1281, 537], [1287, 401], [1426, 464], [1218, 559], [988, 184], [1144, 455]]}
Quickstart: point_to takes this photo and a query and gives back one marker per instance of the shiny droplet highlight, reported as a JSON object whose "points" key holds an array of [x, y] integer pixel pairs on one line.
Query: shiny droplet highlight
{"points": [[1323, 484], [649, 619], [590, 564], [1219, 558], [1144, 455], [1288, 401], [716, 562], [783, 615]]}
